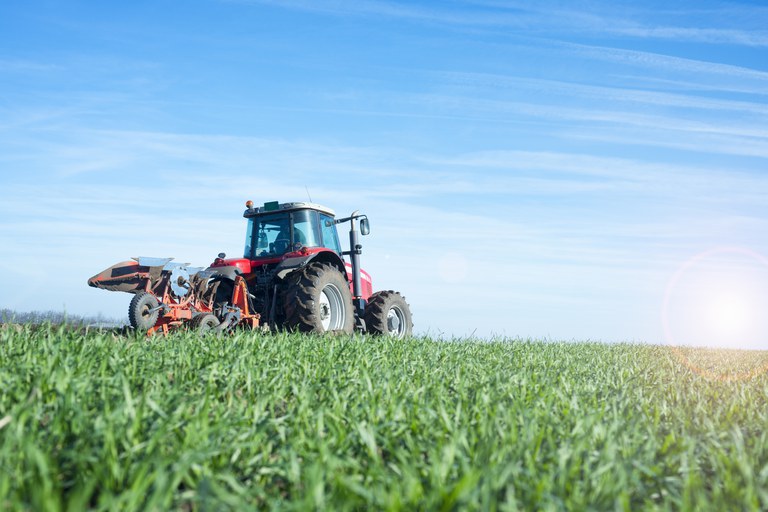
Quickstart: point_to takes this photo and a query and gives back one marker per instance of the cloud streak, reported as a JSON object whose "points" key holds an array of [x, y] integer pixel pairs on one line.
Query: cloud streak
{"points": [[606, 94], [543, 17]]}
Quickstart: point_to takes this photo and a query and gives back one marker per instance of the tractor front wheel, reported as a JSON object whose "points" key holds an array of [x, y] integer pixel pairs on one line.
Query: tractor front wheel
{"points": [[143, 311], [388, 314], [317, 299]]}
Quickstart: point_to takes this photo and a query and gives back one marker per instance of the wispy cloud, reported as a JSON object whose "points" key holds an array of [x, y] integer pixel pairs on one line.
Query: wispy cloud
{"points": [[702, 142], [604, 93], [540, 18], [736, 137], [168, 158], [26, 66], [666, 62], [638, 21], [704, 35], [402, 10]]}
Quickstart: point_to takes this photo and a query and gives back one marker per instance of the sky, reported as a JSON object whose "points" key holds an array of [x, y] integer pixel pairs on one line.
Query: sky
{"points": [[580, 170]]}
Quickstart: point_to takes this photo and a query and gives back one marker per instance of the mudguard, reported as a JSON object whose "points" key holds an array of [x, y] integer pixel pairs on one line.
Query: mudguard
{"points": [[227, 272], [288, 265]]}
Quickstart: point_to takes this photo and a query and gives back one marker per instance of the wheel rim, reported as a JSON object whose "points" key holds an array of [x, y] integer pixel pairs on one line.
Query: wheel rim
{"points": [[208, 323], [146, 312], [331, 308], [396, 322]]}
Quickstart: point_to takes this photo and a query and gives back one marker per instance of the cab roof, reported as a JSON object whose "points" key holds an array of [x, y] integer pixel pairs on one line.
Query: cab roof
{"points": [[275, 207]]}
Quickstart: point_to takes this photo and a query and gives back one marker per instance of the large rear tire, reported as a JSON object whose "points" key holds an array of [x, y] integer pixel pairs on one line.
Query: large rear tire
{"points": [[142, 313], [317, 299], [388, 314]]}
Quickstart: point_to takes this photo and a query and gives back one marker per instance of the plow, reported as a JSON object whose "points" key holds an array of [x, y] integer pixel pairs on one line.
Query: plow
{"points": [[293, 275], [169, 295]]}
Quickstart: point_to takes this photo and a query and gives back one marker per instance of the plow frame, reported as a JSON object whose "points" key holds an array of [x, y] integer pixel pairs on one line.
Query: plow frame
{"points": [[180, 312], [178, 308]]}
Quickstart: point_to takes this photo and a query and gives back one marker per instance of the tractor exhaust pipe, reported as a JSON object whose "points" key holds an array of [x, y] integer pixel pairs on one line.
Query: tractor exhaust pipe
{"points": [[355, 250]]}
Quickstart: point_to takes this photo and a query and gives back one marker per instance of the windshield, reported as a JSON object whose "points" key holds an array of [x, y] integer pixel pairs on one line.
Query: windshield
{"points": [[278, 233]]}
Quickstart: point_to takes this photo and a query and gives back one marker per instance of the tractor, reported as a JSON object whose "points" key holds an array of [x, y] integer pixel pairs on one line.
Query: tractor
{"points": [[293, 276]]}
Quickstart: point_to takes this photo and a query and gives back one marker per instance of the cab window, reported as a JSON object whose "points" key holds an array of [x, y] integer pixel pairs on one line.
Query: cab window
{"points": [[330, 237], [268, 235]]}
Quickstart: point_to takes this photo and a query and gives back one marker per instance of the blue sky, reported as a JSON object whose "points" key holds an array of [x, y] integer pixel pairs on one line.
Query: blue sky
{"points": [[563, 170]]}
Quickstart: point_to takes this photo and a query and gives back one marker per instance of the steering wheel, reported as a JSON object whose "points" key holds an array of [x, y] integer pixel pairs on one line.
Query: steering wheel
{"points": [[282, 245]]}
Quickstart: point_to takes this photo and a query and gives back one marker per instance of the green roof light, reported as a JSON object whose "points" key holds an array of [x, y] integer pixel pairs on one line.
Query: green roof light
{"points": [[271, 206]]}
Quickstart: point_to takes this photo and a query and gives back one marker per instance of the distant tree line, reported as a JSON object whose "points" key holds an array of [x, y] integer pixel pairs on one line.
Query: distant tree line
{"points": [[8, 316]]}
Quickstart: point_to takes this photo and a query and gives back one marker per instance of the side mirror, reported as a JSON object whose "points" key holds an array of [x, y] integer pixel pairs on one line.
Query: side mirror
{"points": [[365, 228]]}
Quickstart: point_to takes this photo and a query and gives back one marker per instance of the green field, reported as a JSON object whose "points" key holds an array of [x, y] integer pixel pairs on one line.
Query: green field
{"points": [[110, 422]]}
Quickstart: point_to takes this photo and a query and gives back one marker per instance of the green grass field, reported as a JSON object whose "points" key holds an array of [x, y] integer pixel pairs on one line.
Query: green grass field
{"points": [[99, 421]]}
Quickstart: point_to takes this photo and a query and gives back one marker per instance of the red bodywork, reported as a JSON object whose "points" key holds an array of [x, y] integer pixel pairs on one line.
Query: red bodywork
{"points": [[248, 267]]}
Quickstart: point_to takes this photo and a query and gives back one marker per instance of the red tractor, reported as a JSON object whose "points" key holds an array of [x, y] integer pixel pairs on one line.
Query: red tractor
{"points": [[292, 276]]}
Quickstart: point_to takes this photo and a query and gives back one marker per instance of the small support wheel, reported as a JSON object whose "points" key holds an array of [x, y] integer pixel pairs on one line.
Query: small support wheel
{"points": [[206, 322], [143, 311], [388, 314]]}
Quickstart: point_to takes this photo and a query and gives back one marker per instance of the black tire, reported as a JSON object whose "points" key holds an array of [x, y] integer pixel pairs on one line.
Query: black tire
{"points": [[317, 299], [205, 322], [224, 290], [388, 314], [140, 313]]}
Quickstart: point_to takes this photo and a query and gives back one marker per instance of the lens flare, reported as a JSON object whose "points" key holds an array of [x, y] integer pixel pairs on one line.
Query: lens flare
{"points": [[719, 299], [730, 316]]}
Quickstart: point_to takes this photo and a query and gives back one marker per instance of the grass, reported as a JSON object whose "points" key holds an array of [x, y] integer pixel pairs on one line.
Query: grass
{"points": [[105, 422]]}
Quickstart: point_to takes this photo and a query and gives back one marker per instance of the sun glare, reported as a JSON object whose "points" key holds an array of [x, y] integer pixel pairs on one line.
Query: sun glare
{"points": [[719, 299], [729, 316]]}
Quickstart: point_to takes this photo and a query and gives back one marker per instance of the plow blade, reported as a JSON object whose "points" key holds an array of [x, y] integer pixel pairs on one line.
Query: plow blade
{"points": [[126, 276]]}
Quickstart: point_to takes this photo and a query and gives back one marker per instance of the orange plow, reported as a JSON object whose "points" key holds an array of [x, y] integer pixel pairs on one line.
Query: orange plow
{"points": [[170, 295]]}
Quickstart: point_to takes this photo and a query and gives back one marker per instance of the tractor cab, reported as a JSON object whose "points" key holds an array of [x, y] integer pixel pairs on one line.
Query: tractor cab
{"points": [[277, 229]]}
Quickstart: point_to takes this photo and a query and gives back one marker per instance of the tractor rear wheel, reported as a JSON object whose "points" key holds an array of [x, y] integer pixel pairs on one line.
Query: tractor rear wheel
{"points": [[317, 299], [205, 322], [142, 312], [388, 314]]}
